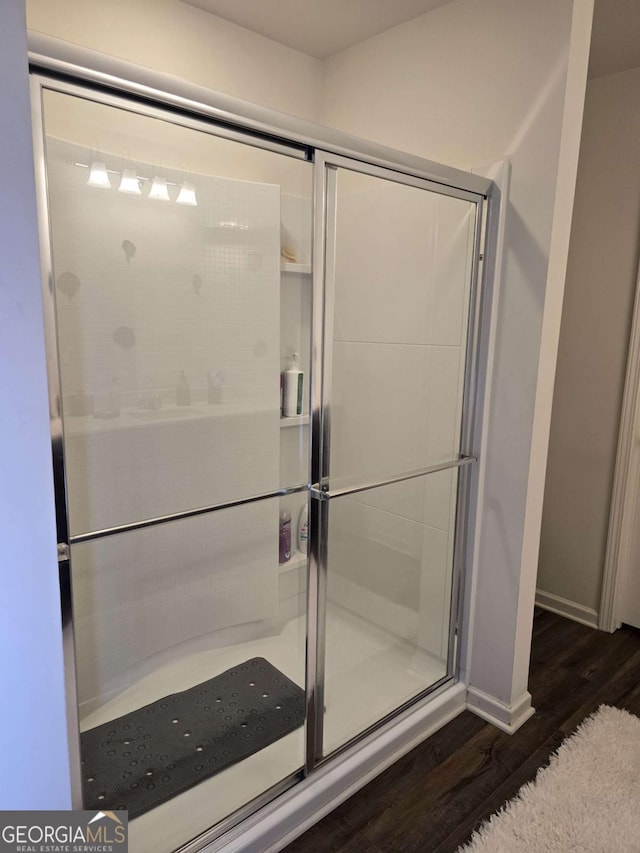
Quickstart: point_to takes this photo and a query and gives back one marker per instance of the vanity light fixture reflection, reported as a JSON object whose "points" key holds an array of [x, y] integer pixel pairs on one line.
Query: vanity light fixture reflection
{"points": [[187, 194], [129, 183], [232, 223], [159, 189], [98, 176]]}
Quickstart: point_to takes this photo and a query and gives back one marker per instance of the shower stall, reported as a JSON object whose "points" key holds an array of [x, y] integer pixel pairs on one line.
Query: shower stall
{"points": [[221, 649]]}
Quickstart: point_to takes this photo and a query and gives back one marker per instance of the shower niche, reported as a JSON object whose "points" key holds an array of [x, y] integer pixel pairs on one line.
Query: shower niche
{"points": [[189, 259]]}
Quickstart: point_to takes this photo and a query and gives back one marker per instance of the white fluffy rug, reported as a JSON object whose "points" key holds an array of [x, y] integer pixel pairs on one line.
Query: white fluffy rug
{"points": [[586, 801]]}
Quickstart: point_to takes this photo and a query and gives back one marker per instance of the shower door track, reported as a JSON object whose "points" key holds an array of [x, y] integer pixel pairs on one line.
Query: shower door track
{"points": [[69, 69]]}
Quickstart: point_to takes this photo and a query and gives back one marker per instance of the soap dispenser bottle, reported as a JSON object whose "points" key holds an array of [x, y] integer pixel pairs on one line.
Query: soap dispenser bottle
{"points": [[292, 389], [284, 545], [183, 392]]}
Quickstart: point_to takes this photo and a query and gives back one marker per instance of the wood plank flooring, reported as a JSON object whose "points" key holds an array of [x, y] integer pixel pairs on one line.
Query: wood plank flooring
{"points": [[431, 800]]}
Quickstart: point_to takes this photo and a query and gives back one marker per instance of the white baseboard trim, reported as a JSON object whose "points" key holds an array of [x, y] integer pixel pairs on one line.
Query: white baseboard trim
{"points": [[508, 718], [564, 607], [295, 811]]}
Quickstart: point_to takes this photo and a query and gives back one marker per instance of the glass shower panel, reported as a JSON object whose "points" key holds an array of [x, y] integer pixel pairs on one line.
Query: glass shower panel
{"points": [[401, 269], [389, 578], [181, 272], [190, 645], [399, 266]]}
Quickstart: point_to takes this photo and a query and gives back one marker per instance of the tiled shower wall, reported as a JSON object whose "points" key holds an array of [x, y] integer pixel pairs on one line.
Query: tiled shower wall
{"points": [[146, 290], [400, 322]]}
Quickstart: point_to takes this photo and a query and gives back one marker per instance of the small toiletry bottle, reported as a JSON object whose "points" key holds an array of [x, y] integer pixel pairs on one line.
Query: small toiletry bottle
{"points": [[214, 388], [284, 547], [303, 529], [183, 392], [115, 398], [292, 392]]}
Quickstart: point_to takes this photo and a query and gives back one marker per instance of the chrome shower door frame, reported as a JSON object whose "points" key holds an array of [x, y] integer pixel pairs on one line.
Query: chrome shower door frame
{"points": [[75, 71], [325, 202], [40, 81]]}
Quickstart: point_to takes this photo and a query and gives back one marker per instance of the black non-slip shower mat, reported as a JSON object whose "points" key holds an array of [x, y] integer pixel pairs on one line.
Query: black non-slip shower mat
{"points": [[150, 755]]}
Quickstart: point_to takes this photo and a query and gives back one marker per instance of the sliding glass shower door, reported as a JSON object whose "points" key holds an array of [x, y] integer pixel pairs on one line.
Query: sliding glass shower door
{"points": [[399, 267], [180, 272], [253, 578]]}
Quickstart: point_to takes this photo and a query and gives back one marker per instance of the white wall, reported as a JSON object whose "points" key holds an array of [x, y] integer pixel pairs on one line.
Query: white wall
{"points": [[468, 84], [178, 39], [35, 764], [596, 319]]}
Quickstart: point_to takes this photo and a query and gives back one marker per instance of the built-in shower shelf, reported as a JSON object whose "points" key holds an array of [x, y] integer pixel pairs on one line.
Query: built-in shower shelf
{"points": [[295, 421], [296, 562], [305, 269]]}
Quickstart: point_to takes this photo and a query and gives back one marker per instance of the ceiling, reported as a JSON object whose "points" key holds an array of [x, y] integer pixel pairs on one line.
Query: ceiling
{"points": [[318, 27], [321, 28]]}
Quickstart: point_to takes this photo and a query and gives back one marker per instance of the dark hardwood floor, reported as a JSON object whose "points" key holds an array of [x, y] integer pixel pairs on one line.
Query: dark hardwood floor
{"points": [[433, 798]]}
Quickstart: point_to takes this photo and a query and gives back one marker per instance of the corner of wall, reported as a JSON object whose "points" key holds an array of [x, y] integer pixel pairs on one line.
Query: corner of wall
{"points": [[507, 718], [505, 596], [32, 716], [575, 90]]}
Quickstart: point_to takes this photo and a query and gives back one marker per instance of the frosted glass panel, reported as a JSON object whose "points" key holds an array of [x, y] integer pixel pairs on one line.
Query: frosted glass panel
{"points": [[389, 596], [161, 610], [182, 287], [402, 278], [174, 323]]}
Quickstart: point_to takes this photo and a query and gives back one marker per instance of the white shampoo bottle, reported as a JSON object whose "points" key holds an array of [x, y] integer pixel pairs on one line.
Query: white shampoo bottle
{"points": [[292, 396], [303, 529]]}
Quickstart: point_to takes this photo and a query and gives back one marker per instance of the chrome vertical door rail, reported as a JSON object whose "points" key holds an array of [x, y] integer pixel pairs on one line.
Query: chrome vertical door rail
{"points": [[468, 433], [322, 333], [329, 255], [57, 443]]}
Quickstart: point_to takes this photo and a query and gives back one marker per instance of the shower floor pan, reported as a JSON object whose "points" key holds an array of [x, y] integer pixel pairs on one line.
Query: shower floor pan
{"points": [[146, 757]]}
